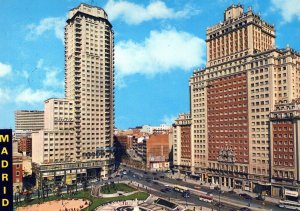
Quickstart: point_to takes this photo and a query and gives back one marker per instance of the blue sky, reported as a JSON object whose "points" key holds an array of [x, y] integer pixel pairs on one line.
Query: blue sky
{"points": [[158, 44]]}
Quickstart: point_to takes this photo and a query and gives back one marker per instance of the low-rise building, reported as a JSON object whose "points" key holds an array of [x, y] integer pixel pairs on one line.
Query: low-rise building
{"points": [[157, 152], [17, 173]]}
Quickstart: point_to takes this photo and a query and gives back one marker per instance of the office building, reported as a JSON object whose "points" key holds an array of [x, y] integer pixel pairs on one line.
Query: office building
{"points": [[26, 122], [77, 139], [246, 77]]}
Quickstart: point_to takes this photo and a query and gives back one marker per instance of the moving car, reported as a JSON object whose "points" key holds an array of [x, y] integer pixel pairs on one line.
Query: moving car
{"points": [[245, 196], [186, 194]]}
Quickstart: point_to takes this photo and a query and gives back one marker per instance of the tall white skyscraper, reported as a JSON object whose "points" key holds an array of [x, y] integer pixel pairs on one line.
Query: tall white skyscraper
{"points": [[78, 134]]}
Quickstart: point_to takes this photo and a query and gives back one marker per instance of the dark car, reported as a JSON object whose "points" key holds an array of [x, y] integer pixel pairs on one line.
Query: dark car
{"points": [[216, 188], [145, 172], [163, 190], [245, 209], [168, 189], [218, 204], [162, 176], [186, 195], [178, 179], [245, 196], [156, 178], [156, 183], [231, 192], [260, 198]]}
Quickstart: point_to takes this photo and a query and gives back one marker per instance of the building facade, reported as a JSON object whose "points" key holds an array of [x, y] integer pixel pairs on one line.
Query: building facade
{"points": [[182, 147], [25, 145], [157, 152], [284, 149], [17, 173], [246, 77], [26, 122], [155, 129], [78, 134]]}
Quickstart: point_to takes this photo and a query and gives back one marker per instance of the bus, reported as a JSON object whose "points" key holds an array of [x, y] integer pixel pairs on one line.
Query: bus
{"points": [[292, 205], [206, 197], [180, 189]]}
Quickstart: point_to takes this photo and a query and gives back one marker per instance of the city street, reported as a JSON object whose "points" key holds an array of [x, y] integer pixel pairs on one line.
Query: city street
{"points": [[226, 198]]}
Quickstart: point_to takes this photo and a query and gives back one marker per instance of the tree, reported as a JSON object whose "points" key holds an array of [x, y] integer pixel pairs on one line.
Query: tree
{"points": [[85, 184], [58, 191]]}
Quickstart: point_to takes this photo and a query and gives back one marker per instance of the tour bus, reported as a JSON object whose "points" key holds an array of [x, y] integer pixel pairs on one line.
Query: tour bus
{"points": [[181, 189], [293, 205], [203, 196]]}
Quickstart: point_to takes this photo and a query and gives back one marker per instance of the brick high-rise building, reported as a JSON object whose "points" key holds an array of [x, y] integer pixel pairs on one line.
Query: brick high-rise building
{"points": [[246, 77], [78, 135], [25, 145]]}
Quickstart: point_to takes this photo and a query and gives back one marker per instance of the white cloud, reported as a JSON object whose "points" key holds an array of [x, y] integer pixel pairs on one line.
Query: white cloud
{"points": [[168, 120], [39, 63], [55, 24], [5, 69], [22, 73], [132, 13], [161, 52], [35, 96], [288, 9], [52, 78], [4, 95]]}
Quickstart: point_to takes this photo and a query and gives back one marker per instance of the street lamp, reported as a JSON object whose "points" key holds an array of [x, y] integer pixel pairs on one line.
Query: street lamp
{"points": [[219, 205]]}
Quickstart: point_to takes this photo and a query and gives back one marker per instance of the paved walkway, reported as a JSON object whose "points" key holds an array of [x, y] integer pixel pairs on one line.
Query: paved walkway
{"points": [[115, 205]]}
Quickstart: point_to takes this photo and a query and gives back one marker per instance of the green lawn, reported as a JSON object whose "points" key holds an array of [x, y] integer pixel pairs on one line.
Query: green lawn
{"points": [[113, 188], [86, 195]]}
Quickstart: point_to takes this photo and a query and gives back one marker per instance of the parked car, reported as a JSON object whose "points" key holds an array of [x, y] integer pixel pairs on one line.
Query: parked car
{"points": [[162, 176], [178, 179], [245, 196], [218, 204], [260, 198], [231, 192], [245, 209], [216, 188]]}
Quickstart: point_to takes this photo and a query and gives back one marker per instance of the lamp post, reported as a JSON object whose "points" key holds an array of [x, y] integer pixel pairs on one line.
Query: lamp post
{"points": [[219, 205]]}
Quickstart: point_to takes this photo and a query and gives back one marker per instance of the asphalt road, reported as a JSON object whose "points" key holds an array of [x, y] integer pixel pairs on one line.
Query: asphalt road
{"points": [[140, 176]]}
